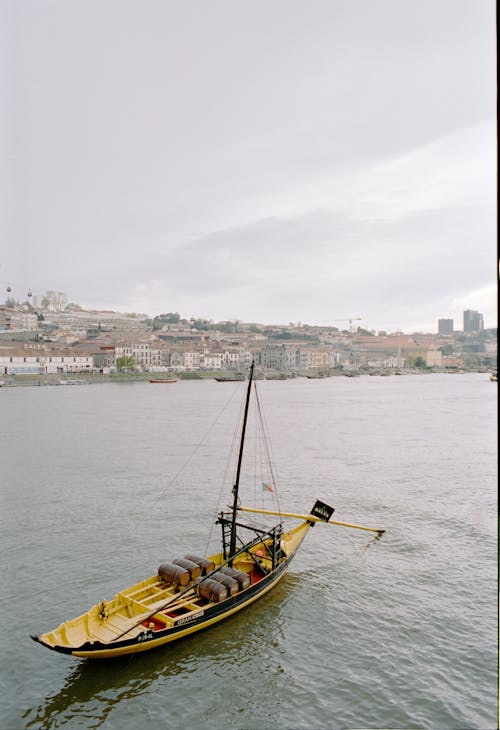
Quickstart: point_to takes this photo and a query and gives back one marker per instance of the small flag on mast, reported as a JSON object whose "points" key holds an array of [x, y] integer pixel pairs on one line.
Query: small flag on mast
{"points": [[266, 487]]}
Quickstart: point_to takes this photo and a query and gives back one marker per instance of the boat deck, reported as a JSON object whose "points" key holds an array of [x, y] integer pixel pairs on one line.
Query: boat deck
{"points": [[109, 620]]}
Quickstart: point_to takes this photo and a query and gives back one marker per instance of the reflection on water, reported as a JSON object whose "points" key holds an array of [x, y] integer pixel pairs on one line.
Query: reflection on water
{"points": [[93, 688]]}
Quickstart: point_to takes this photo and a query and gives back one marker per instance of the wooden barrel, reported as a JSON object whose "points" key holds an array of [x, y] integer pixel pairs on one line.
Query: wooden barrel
{"points": [[212, 590], [231, 584], [206, 565], [171, 573], [194, 568], [242, 577]]}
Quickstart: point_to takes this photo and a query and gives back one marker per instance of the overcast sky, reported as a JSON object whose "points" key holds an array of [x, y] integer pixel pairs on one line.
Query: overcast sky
{"points": [[264, 160]]}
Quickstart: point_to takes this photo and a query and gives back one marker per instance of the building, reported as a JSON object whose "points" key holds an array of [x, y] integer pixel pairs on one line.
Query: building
{"points": [[280, 357], [105, 358], [430, 354], [317, 358], [445, 326], [146, 355], [30, 361], [94, 320], [17, 319], [473, 321]]}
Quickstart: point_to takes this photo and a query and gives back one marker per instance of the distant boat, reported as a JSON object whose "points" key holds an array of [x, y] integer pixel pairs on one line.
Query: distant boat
{"points": [[163, 380], [493, 377], [72, 382], [192, 593], [230, 378]]}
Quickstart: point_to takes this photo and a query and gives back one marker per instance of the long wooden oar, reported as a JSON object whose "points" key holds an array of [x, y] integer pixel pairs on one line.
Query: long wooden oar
{"points": [[310, 518]]}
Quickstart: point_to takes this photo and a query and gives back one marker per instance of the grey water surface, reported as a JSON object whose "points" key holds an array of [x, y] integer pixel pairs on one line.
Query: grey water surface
{"points": [[100, 483]]}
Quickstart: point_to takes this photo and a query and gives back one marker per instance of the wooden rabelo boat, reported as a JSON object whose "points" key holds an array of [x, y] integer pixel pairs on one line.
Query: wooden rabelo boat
{"points": [[193, 592]]}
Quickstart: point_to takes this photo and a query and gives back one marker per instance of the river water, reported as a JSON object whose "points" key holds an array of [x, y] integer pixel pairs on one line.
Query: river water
{"points": [[100, 483]]}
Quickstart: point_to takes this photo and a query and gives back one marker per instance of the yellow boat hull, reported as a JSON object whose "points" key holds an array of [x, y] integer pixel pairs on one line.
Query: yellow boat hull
{"points": [[150, 614]]}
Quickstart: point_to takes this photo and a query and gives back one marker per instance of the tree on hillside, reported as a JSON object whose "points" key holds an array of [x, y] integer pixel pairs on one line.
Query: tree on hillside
{"points": [[126, 362], [170, 318], [446, 349], [55, 300], [228, 327], [416, 362], [201, 324]]}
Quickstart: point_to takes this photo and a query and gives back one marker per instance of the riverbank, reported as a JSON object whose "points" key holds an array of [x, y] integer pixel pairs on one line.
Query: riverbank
{"points": [[69, 379]]}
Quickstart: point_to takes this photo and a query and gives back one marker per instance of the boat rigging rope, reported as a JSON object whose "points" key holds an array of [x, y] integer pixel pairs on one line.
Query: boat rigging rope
{"points": [[224, 481], [266, 442], [203, 441]]}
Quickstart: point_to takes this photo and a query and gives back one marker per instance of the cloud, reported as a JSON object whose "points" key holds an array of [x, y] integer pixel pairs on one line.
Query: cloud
{"points": [[480, 299], [400, 238], [256, 161]]}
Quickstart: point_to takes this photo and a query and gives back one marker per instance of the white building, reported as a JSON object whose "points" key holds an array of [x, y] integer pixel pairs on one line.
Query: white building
{"points": [[192, 359], [31, 362], [17, 319]]}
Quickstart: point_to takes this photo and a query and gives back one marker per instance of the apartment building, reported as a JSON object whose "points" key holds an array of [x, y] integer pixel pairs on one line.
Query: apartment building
{"points": [[17, 319], [317, 358], [445, 326], [280, 357], [473, 321]]}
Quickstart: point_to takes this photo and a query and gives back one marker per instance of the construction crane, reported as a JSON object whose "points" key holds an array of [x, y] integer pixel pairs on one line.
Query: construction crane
{"points": [[347, 319]]}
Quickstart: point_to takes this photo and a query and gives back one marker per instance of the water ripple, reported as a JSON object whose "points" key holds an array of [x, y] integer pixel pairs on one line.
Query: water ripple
{"points": [[399, 632]]}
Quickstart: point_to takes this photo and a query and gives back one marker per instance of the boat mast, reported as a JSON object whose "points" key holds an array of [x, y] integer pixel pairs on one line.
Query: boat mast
{"points": [[232, 543]]}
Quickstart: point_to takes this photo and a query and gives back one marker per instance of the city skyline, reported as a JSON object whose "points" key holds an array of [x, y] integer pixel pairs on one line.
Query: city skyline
{"points": [[340, 165], [472, 320]]}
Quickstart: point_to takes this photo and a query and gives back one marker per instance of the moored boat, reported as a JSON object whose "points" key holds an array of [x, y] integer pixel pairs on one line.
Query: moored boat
{"points": [[229, 378], [72, 381], [194, 592], [163, 380]]}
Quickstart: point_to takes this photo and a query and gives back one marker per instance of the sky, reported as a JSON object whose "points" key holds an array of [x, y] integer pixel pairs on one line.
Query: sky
{"points": [[271, 161]]}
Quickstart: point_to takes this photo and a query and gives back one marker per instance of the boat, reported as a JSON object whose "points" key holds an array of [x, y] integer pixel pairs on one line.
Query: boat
{"points": [[163, 380], [494, 377], [194, 592], [72, 381], [229, 378]]}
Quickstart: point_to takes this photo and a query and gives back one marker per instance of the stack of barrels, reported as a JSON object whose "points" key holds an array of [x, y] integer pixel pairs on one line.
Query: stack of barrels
{"points": [[220, 585]]}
